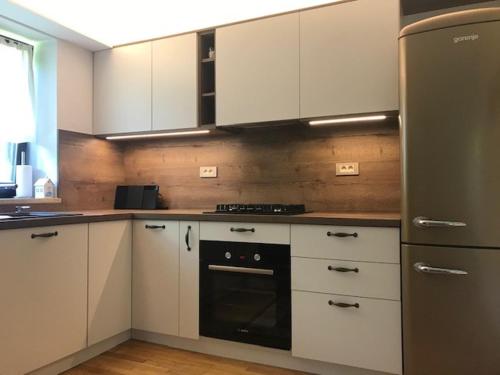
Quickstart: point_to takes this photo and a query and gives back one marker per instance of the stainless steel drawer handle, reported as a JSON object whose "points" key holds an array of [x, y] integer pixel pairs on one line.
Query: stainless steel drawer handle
{"points": [[147, 226], [343, 269], [44, 235], [255, 271], [343, 304], [242, 230], [424, 268], [424, 222], [341, 234]]}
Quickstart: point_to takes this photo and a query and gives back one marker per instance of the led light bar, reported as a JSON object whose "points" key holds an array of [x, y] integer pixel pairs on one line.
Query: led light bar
{"points": [[156, 135], [344, 120]]}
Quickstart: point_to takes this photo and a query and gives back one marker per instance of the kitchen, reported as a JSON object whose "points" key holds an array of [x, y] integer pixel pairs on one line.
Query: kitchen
{"points": [[277, 192]]}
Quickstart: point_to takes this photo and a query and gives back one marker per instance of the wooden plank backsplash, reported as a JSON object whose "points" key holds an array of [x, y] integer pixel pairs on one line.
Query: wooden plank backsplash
{"points": [[89, 170], [289, 164]]}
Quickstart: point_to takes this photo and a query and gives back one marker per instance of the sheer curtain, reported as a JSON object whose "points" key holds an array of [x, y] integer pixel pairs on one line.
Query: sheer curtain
{"points": [[17, 122]]}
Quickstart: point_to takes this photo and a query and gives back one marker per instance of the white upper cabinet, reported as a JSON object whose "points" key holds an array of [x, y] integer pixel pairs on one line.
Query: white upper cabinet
{"points": [[122, 89], [349, 58], [257, 71], [175, 82]]}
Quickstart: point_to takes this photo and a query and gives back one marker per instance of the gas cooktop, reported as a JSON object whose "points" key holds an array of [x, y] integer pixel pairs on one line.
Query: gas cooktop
{"points": [[259, 209]]}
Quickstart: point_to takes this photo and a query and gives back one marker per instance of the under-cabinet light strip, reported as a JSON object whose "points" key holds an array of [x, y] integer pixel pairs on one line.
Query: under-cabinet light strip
{"points": [[156, 135], [344, 120]]}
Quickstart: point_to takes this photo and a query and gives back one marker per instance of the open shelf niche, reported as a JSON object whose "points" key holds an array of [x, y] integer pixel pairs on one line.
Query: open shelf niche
{"points": [[206, 76]]}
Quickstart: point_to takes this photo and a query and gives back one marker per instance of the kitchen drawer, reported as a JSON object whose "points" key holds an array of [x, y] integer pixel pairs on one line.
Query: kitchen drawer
{"points": [[377, 280], [360, 244], [367, 337], [245, 232]]}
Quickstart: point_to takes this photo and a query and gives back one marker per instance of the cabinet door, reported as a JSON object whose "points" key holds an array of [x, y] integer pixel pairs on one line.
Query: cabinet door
{"points": [[122, 89], [189, 279], [155, 286], [43, 289], [174, 83], [257, 71], [349, 58], [367, 336], [110, 279]]}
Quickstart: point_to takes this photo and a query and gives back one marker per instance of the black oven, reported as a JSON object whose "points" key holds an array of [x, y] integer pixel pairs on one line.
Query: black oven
{"points": [[245, 292]]}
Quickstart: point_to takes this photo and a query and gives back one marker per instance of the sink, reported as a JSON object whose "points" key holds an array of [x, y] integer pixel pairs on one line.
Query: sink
{"points": [[34, 215]]}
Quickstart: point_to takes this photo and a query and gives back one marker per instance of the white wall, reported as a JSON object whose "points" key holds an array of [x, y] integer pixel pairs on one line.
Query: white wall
{"points": [[74, 88], [406, 20], [43, 152], [63, 100]]}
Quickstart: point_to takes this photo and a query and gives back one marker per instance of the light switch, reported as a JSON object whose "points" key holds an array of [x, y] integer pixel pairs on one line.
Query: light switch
{"points": [[347, 169], [208, 172]]}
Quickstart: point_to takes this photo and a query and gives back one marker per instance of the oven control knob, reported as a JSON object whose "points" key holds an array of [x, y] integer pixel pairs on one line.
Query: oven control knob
{"points": [[256, 257], [228, 255]]}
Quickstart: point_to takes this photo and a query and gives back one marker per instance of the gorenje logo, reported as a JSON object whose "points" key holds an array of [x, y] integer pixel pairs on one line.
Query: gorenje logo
{"points": [[465, 38]]}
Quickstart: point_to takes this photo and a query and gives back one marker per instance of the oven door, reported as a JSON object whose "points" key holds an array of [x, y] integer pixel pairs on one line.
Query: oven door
{"points": [[245, 293]]}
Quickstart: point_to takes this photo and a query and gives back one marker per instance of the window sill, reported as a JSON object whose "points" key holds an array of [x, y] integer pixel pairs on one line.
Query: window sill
{"points": [[20, 201]]}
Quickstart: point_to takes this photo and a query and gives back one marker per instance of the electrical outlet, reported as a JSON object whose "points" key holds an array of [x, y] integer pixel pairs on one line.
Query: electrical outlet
{"points": [[347, 169], [208, 172]]}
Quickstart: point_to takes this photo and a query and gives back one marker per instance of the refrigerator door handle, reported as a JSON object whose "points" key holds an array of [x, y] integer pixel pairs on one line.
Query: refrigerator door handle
{"points": [[424, 268], [424, 222]]}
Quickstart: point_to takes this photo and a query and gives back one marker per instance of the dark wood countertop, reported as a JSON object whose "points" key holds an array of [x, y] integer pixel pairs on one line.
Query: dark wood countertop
{"points": [[364, 219]]}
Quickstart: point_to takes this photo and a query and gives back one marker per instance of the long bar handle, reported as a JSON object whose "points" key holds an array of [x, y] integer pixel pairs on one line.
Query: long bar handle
{"points": [[343, 269], [148, 226], [424, 222], [425, 268], [242, 230], [343, 304], [255, 271], [44, 235], [342, 234]]}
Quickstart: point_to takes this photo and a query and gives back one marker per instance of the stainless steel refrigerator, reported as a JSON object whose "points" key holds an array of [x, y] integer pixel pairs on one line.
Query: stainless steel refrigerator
{"points": [[450, 129]]}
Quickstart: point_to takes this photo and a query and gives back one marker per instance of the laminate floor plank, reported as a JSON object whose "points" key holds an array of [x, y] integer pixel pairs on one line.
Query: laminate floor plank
{"points": [[140, 358]]}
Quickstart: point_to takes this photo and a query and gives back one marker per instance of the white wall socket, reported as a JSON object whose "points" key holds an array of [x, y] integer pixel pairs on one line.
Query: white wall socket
{"points": [[347, 169], [208, 172]]}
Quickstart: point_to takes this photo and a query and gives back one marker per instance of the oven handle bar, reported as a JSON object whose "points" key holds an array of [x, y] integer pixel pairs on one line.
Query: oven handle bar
{"points": [[255, 271]]}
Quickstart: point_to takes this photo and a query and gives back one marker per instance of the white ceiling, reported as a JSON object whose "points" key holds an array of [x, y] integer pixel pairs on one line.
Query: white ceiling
{"points": [[32, 26], [115, 22]]}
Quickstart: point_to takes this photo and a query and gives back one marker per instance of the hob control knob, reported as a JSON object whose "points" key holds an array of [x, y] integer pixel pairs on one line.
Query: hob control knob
{"points": [[228, 255], [256, 257]]}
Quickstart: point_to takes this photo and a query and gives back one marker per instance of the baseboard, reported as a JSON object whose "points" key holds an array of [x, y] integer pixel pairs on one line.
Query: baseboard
{"points": [[83, 355], [250, 353]]}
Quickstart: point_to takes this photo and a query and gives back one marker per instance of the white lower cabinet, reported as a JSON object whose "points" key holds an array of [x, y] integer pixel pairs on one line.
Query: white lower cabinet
{"points": [[376, 280], [165, 277], [189, 284], [367, 336], [346, 295], [245, 232], [155, 286], [43, 289], [110, 278]]}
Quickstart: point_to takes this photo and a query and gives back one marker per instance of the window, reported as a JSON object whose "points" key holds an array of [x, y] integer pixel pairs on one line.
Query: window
{"points": [[17, 124]]}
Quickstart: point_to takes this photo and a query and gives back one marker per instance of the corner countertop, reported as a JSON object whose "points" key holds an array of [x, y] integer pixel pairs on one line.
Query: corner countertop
{"points": [[363, 219]]}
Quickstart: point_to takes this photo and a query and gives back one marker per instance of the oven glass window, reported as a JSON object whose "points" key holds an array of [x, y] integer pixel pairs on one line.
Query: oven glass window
{"points": [[247, 306]]}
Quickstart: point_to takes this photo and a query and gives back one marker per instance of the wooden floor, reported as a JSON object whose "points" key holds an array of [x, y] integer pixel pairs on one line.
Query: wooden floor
{"points": [[140, 358]]}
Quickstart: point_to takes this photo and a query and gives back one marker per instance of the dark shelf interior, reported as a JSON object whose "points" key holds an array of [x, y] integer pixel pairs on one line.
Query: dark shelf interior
{"points": [[206, 42], [207, 78], [207, 110]]}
